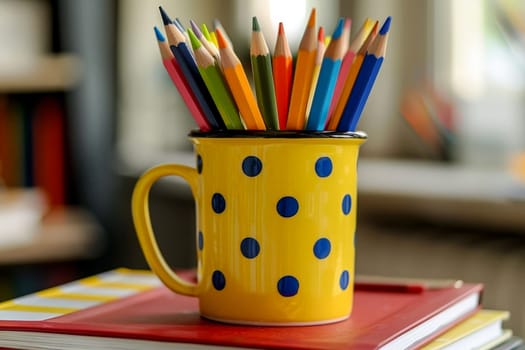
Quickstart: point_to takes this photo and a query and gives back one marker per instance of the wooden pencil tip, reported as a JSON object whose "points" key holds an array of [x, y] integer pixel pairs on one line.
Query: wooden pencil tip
{"points": [[204, 29], [217, 23], [220, 38], [311, 20], [374, 29], [320, 34], [195, 29], [339, 29], [281, 29], [386, 26], [165, 18], [195, 42], [178, 23], [348, 23], [255, 24], [158, 34]]}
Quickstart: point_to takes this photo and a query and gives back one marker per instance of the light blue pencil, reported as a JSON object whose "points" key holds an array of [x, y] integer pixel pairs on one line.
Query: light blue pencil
{"points": [[324, 89], [365, 80]]}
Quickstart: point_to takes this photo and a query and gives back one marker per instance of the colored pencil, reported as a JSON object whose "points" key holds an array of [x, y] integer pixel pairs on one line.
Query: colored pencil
{"points": [[282, 65], [261, 62], [345, 37], [208, 35], [348, 59], [350, 80], [365, 80], [174, 71], [321, 48], [303, 76], [327, 79], [182, 54], [213, 39], [211, 73], [212, 49], [239, 85], [182, 29], [218, 25]]}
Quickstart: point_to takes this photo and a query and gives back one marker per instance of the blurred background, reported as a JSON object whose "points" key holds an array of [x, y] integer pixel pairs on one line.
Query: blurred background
{"points": [[86, 106]]}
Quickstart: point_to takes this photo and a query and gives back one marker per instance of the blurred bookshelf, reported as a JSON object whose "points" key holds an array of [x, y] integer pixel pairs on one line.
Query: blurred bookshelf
{"points": [[38, 142], [44, 73]]}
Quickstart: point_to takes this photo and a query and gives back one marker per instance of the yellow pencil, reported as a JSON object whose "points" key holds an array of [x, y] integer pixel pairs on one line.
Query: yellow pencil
{"points": [[239, 85], [303, 76], [349, 83]]}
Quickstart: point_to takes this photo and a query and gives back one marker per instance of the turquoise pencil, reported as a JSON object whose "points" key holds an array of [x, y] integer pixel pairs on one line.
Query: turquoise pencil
{"points": [[327, 80], [365, 80]]}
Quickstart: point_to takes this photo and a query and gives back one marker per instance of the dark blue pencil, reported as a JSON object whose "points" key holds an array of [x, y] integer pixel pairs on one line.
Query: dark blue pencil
{"points": [[365, 80], [190, 71]]}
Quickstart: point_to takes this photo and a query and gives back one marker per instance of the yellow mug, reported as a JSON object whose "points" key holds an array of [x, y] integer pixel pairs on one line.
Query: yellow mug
{"points": [[276, 218]]}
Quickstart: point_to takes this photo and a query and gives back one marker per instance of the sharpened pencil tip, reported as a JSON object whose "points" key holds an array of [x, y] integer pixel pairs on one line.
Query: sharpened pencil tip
{"points": [[195, 29], [255, 24], [320, 34], [165, 18], [348, 23], [386, 26], [217, 23], [195, 42], [158, 34], [339, 29], [204, 30], [281, 29], [311, 20], [178, 23], [220, 39]]}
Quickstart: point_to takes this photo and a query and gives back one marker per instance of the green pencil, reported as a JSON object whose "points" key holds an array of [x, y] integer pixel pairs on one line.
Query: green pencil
{"points": [[263, 77], [212, 76]]}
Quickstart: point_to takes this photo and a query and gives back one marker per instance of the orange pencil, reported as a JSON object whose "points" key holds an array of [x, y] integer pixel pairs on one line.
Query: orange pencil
{"points": [[348, 59], [302, 82], [282, 74], [239, 85], [349, 83]]}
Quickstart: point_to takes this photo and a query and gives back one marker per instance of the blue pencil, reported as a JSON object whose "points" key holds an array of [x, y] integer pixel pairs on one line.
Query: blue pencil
{"points": [[327, 79], [365, 80], [190, 71]]}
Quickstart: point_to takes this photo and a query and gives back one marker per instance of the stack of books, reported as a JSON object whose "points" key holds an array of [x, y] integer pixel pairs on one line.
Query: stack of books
{"points": [[130, 309]]}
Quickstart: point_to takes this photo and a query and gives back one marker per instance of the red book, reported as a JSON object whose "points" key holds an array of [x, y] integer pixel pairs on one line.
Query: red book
{"points": [[49, 150], [150, 316]]}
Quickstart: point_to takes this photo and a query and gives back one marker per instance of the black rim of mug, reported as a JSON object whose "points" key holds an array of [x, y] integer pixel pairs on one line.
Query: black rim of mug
{"points": [[285, 134]]}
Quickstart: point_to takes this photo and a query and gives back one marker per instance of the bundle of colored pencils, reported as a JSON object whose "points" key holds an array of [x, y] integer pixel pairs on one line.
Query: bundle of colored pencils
{"points": [[326, 88]]}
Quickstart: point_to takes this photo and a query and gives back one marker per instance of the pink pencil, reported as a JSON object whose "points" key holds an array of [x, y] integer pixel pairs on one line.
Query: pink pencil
{"points": [[175, 73], [347, 61]]}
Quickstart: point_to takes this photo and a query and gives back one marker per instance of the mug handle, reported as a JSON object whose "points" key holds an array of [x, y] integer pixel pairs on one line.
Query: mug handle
{"points": [[142, 222]]}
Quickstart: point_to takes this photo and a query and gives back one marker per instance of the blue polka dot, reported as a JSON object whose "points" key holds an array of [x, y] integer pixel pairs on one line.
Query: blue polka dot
{"points": [[288, 286], [199, 164], [218, 280], [287, 206], [218, 203], [323, 167], [344, 280], [251, 166], [322, 248], [347, 204], [200, 240], [250, 247]]}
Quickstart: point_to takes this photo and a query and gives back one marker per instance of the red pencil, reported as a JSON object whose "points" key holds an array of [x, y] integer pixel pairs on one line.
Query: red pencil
{"points": [[175, 73]]}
